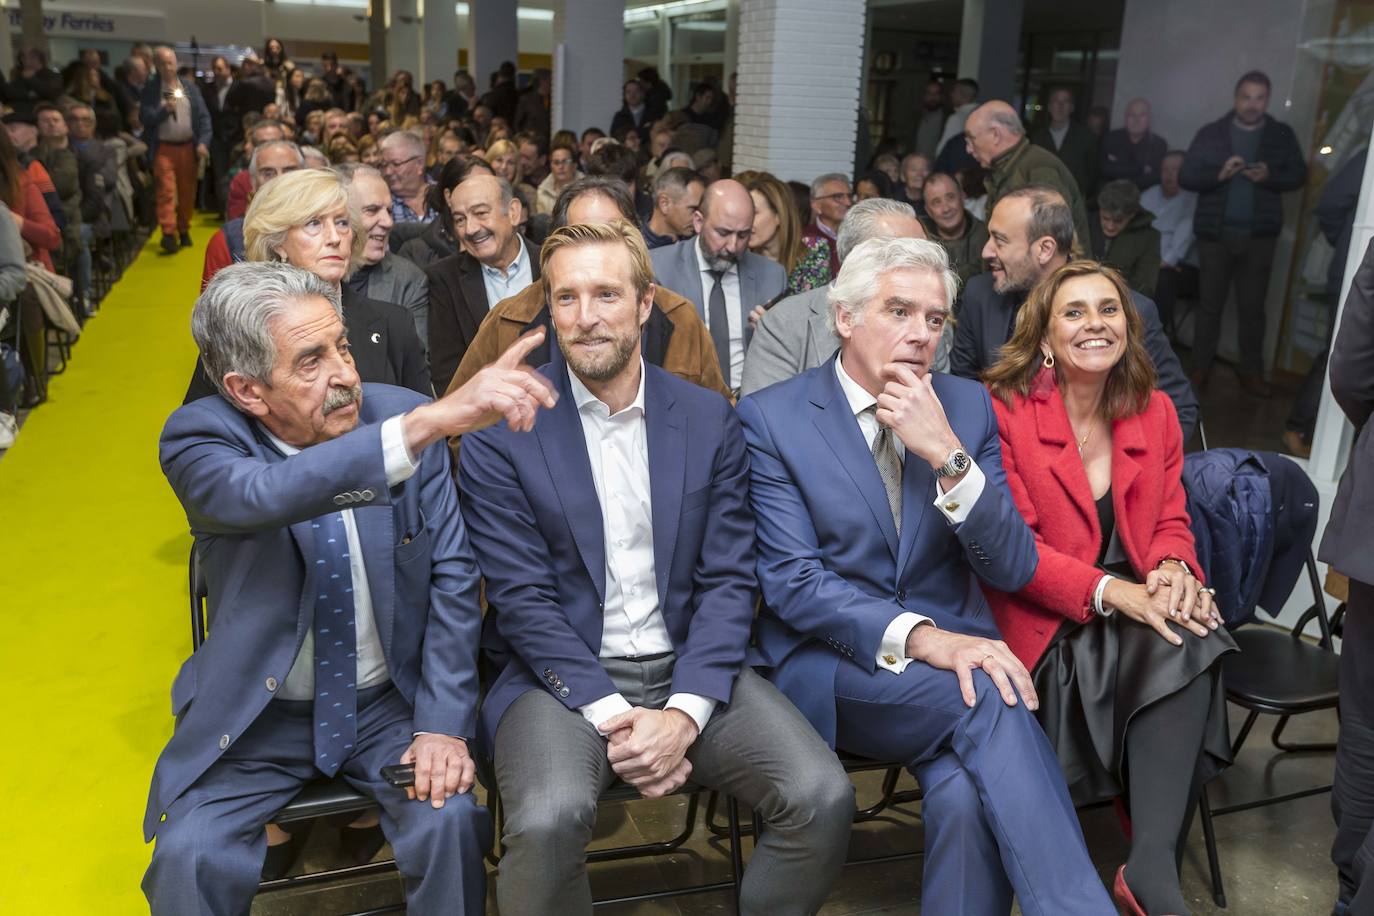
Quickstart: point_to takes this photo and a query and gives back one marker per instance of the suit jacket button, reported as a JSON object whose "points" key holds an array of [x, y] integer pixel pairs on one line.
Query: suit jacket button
{"points": [[340, 499], [367, 496], [356, 495], [558, 683], [272, 683], [901, 594], [889, 659], [548, 672], [223, 741], [564, 692]]}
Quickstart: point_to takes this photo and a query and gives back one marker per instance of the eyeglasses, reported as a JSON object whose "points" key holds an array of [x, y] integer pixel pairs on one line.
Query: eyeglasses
{"points": [[560, 162], [840, 197], [388, 164]]}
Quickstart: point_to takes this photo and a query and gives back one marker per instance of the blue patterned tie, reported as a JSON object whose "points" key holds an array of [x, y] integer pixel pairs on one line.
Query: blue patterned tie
{"points": [[336, 663]]}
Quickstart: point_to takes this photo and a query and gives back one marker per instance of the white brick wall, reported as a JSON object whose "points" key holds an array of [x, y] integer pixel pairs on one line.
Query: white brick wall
{"points": [[800, 63], [587, 76]]}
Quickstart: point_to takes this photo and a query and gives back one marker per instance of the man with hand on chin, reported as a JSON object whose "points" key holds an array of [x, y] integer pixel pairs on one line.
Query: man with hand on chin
{"points": [[383, 275], [881, 505], [618, 551], [345, 598]]}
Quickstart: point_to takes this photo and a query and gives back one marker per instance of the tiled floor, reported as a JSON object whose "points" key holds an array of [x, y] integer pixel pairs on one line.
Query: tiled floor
{"points": [[1274, 860]]}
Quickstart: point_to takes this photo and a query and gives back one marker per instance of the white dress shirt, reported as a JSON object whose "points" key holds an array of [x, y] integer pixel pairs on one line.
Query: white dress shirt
{"points": [[729, 282], [618, 449], [1174, 220], [954, 504], [372, 670], [502, 284]]}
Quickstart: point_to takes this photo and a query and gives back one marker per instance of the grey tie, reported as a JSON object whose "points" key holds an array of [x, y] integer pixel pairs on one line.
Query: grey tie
{"points": [[889, 468], [719, 323]]}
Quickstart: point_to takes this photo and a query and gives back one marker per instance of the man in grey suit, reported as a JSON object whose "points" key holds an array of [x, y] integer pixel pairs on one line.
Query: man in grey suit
{"points": [[1030, 232], [1345, 545], [384, 276], [344, 593], [795, 335], [720, 275]]}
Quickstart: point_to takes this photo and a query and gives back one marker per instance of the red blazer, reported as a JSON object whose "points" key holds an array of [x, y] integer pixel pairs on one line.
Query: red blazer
{"points": [[1050, 486]]}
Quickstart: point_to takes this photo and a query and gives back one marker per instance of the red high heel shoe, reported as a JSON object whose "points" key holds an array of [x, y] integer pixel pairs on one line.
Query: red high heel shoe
{"points": [[1123, 896]]}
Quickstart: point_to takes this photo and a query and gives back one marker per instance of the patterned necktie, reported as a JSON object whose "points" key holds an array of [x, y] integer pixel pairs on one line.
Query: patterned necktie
{"points": [[889, 468], [336, 662], [719, 323]]}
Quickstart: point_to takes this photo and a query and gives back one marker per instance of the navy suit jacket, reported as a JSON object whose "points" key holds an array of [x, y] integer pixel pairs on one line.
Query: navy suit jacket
{"points": [[536, 525], [833, 571], [250, 509]]}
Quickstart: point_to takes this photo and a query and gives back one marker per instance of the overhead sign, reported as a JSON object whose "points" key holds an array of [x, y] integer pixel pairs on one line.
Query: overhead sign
{"points": [[76, 22]]}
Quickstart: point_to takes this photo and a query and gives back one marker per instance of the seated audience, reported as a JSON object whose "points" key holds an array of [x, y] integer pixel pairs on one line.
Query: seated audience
{"points": [[226, 246], [881, 507], [777, 234], [27, 209], [916, 169], [504, 158], [676, 198], [675, 338], [796, 334], [492, 264], [871, 184], [620, 610], [1173, 210], [1124, 237], [1030, 232], [241, 185], [403, 166], [382, 275], [831, 198], [959, 232], [303, 218], [562, 171], [436, 241], [262, 470], [1116, 626], [720, 275]]}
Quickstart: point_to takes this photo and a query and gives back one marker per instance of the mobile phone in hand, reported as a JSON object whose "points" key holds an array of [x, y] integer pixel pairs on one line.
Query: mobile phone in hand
{"points": [[400, 775]]}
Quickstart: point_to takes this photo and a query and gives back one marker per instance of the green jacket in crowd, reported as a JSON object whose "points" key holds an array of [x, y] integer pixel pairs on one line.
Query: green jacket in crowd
{"points": [[1134, 252], [965, 252], [1025, 164]]}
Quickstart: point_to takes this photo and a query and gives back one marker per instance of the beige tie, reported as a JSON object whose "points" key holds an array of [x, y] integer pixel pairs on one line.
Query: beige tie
{"points": [[889, 469]]}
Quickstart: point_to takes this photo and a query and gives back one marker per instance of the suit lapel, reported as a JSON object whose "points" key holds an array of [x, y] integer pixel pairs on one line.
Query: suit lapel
{"points": [[304, 536], [666, 430], [559, 432], [691, 273], [473, 289], [840, 430], [918, 492], [748, 294], [818, 334], [363, 322]]}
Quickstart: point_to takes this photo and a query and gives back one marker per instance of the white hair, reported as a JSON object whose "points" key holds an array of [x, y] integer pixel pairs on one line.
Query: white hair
{"points": [[854, 287], [412, 141], [864, 221], [821, 181]]}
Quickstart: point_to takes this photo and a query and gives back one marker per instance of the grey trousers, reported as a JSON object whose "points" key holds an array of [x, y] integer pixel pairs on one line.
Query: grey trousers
{"points": [[551, 766]]}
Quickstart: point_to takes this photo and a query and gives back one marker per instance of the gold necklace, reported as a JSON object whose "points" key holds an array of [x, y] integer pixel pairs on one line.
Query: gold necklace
{"points": [[1082, 443]]}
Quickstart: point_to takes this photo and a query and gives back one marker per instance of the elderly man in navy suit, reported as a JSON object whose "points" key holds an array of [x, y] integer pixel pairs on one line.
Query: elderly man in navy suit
{"points": [[720, 275], [344, 598], [881, 506], [617, 546]]}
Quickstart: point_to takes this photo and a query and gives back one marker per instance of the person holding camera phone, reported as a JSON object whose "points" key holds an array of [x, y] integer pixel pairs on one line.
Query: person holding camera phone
{"points": [[177, 128]]}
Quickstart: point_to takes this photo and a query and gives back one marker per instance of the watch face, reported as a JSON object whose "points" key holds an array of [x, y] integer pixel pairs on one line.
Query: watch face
{"points": [[960, 461]]}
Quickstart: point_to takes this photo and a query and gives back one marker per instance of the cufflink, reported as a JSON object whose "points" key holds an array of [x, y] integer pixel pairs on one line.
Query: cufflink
{"points": [[890, 659]]}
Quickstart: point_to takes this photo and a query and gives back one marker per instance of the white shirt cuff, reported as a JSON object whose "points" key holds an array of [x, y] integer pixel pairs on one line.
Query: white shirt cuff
{"points": [[599, 711], [698, 707], [892, 650], [958, 501], [396, 458]]}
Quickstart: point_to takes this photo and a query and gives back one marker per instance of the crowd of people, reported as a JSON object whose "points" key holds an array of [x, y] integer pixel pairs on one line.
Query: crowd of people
{"points": [[927, 417]]}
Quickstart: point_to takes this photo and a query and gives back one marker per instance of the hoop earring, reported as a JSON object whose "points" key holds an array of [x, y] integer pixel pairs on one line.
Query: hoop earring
{"points": [[1048, 361]]}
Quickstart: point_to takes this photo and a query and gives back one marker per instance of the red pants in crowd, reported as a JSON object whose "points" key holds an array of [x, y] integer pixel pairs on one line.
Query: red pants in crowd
{"points": [[174, 170]]}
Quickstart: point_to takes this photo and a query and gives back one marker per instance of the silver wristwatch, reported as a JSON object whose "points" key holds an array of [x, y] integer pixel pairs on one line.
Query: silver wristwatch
{"points": [[957, 463]]}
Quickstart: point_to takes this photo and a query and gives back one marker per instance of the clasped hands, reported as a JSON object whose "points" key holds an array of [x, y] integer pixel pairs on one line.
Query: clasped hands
{"points": [[1170, 593], [648, 748]]}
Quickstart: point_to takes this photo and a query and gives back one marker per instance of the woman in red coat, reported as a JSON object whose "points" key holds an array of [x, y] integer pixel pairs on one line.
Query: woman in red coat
{"points": [[1116, 627]]}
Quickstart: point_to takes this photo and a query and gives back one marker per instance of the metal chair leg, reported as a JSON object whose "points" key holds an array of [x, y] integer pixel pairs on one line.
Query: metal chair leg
{"points": [[1213, 859], [736, 849], [1297, 746]]}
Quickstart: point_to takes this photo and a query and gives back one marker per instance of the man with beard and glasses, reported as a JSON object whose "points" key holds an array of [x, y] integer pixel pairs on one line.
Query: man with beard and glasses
{"points": [[345, 596], [619, 565], [382, 275], [716, 270], [1030, 232], [494, 263]]}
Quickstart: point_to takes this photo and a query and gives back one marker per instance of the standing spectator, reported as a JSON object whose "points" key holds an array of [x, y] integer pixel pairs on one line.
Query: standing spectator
{"points": [[32, 81], [657, 93], [562, 171], [534, 158], [915, 169], [463, 98], [91, 86], [1345, 545], [1239, 164], [1074, 144], [223, 130], [964, 99], [252, 91], [336, 81], [177, 130], [533, 111], [1134, 151], [634, 113], [831, 198], [996, 138], [1099, 116], [959, 232], [130, 84], [777, 235], [275, 59], [676, 199], [291, 95], [1124, 238], [1173, 209], [930, 121], [403, 166], [503, 97]]}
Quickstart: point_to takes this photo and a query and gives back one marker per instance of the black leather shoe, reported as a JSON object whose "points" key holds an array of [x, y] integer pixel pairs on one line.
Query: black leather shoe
{"points": [[186, 240], [280, 858], [170, 244], [360, 844]]}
